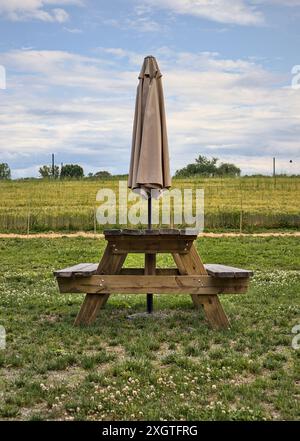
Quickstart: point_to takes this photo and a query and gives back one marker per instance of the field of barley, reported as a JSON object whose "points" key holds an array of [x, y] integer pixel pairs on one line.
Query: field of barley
{"points": [[237, 204]]}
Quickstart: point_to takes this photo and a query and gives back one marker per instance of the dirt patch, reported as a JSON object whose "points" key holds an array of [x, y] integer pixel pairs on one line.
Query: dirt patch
{"points": [[26, 413], [72, 376], [49, 318], [116, 350]]}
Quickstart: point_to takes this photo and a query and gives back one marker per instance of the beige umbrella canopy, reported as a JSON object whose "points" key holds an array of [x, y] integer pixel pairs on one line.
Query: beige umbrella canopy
{"points": [[149, 172], [149, 165]]}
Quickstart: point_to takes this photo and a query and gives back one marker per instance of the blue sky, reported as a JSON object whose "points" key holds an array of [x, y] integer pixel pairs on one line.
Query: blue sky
{"points": [[71, 76]]}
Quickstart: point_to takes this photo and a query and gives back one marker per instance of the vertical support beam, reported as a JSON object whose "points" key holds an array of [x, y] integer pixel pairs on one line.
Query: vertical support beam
{"points": [[191, 264], [215, 313], [109, 264]]}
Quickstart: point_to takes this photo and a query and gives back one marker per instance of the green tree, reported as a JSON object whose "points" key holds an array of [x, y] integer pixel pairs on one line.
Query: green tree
{"points": [[202, 166], [46, 171], [102, 174], [206, 166], [227, 169], [71, 171], [5, 171]]}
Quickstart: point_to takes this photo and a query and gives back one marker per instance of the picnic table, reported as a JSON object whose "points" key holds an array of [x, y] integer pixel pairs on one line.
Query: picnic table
{"points": [[203, 282]]}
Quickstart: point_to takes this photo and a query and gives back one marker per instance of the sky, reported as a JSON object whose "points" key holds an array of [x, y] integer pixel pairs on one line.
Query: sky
{"points": [[69, 68]]}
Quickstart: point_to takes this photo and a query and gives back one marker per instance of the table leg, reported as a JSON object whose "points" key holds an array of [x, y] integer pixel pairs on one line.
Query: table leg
{"points": [[89, 308], [191, 263], [109, 264], [214, 312]]}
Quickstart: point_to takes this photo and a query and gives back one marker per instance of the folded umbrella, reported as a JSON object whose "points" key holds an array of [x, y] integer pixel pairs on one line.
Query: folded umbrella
{"points": [[149, 173], [149, 165]]}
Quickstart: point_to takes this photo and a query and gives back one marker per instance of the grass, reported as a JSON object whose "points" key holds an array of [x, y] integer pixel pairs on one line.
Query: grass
{"points": [[170, 366], [251, 203]]}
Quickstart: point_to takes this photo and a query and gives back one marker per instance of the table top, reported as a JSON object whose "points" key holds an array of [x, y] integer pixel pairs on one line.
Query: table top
{"points": [[189, 233]]}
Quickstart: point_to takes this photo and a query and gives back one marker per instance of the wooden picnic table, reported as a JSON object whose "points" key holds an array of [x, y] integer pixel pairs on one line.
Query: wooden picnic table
{"points": [[190, 276]]}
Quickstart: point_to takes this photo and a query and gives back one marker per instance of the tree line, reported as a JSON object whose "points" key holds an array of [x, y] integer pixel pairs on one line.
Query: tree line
{"points": [[204, 166]]}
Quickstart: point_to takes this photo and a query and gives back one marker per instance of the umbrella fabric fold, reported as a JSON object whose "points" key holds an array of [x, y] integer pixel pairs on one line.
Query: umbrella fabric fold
{"points": [[149, 165]]}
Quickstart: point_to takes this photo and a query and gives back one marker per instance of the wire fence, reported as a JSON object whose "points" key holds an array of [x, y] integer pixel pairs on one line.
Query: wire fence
{"points": [[240, 206]]}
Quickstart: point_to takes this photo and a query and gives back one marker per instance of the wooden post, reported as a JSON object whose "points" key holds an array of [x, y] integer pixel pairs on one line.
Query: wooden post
{"points": [[109, 264], [28, 223], [241, 210], [95, 221]]}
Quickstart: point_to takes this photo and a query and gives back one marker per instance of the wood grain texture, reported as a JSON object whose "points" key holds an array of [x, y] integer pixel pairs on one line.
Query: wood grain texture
{"points": [[217, 270], [190, 264], [157, 284], [214, 312], [93, 303], [202, 282]]}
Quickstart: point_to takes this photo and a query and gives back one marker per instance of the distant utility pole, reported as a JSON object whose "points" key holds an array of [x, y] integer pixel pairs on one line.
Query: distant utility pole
{"points": [[53, 166]]}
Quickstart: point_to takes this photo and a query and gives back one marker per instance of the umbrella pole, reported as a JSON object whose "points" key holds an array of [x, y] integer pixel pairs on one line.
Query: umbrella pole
{"points": [[150, 259]]}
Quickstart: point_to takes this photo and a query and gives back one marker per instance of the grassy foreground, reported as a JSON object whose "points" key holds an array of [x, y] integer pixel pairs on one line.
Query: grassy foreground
{"points": [[169, 366], [247, 203]]}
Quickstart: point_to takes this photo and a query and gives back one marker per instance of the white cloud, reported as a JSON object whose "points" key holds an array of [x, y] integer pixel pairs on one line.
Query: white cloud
{"points": [[83, 106], [138, 22], [60, 15], [224, 11], [22, 10], [73, 30]]}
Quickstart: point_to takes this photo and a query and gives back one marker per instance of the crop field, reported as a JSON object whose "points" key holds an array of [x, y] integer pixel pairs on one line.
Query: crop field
{"points": [[238, 204], [168, 366]]}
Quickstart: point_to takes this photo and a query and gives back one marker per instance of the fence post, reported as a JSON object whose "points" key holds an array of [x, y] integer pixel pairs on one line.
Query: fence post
{"points": [[95, 221], [28, 223], [241, 210]]}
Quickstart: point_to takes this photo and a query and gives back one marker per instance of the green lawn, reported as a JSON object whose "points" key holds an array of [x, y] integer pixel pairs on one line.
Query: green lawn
{"points": [[169, 366]]}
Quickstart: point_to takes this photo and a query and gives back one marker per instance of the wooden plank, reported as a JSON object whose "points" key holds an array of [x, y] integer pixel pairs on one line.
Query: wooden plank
{"points": [[213, 309], [215, 313], [91, 269], [198, 285], [93, 303], [190, 264], [141, 271], [217, 270], [149, 245], [89, 308], [80, 269], [153, 232]]}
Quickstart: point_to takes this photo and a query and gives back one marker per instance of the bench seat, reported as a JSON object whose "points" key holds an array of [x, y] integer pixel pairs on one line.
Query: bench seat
{"points": [[214, 270]]}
